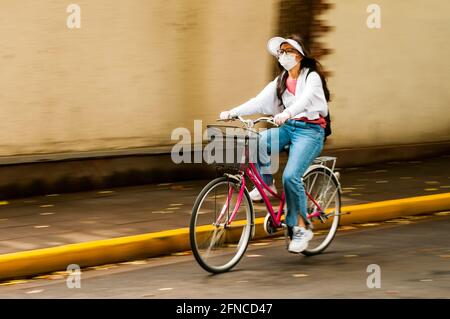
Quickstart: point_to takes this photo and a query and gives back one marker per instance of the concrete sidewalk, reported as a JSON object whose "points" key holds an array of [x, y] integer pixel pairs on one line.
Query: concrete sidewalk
{"points": [[61, 219]]}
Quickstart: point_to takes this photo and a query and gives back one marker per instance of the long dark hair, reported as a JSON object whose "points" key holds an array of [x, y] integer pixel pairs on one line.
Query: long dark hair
{"points": [[307, 62]]}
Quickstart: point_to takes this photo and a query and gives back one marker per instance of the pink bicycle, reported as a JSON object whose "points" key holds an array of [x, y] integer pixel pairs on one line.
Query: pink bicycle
{"points": [[223, 218]]}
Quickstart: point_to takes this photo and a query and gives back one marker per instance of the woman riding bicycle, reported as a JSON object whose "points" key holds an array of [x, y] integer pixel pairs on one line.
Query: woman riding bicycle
{"points": [[298, 98]]}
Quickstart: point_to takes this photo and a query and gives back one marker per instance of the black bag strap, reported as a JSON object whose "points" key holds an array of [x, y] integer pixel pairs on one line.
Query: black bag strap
{"points": [[309, 71]]}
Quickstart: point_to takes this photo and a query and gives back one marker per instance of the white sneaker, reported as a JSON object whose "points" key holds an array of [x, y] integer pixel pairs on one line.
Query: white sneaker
{"points": [[256, 196], [300, 239]]}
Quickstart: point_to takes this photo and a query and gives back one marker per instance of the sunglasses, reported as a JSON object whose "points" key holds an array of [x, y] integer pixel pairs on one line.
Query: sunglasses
{"points": [[281, 51]]}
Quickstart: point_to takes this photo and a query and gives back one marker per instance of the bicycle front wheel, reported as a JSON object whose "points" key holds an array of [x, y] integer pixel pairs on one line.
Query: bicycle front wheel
{"points": [[221, 226], [325, 207]]}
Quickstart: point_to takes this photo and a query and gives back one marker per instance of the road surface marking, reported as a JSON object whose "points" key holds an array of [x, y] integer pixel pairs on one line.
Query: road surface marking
{"points": [[300, 275], [34, 291], [105, 192]]}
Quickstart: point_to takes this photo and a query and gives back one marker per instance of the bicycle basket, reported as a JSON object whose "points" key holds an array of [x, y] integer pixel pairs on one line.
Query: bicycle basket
{"points": [[230, 146]]}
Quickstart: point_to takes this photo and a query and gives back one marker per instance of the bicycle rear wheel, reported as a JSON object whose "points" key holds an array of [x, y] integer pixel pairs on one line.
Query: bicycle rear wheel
{"points": [[217, 244], [324, 189]]}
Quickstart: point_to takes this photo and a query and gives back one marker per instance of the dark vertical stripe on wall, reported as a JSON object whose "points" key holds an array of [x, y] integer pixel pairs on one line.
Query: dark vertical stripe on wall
{"points": [[301, 16]]}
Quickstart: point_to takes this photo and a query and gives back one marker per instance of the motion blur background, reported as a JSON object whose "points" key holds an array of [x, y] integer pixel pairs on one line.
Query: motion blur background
{"points": [[96, 106]]}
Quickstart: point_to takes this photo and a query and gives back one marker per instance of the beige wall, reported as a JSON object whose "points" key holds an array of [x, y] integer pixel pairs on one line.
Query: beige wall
{"points": [[390, 85], [133, 72], [138, 69]]}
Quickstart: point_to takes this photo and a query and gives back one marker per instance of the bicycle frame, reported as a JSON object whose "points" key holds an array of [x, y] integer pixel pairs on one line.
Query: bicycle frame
{"points": [[252, 172], [257, 180]]}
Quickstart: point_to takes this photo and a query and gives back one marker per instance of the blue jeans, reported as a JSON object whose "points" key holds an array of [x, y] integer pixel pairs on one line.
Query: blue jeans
{"points": [[305, 141]]}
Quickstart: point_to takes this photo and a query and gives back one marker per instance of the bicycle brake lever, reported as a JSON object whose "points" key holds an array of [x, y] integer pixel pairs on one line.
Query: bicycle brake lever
{"points": [[273, 122]]}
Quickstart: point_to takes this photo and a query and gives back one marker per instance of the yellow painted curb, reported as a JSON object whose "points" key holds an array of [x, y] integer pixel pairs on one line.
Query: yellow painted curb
{"points": [[379, 211], [34, 262]]}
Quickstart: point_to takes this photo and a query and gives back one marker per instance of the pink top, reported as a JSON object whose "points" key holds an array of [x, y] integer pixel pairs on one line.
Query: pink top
{"points": [[291, 85]]}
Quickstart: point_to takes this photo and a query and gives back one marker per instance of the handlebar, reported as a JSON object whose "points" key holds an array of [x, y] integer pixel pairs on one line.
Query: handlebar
{"points": [[250, 123]]}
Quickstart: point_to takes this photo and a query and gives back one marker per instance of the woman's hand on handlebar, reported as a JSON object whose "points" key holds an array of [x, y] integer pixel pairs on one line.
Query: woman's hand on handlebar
{"points": [[226, 115], [282, 117]]}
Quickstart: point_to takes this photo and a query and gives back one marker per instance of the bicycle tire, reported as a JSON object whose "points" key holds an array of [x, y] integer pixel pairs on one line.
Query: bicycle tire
{"points": [[249, 216], [336, 219]]}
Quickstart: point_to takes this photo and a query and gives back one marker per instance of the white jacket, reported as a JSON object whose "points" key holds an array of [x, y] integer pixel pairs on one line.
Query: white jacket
{"points": [[309, 99]]}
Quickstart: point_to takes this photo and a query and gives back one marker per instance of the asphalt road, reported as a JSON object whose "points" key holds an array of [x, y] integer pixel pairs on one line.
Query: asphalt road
{"points": [[61, 219], [413, 258]]}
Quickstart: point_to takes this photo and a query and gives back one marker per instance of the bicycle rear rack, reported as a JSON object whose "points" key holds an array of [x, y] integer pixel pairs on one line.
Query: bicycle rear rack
{"points": [[322, 160]]}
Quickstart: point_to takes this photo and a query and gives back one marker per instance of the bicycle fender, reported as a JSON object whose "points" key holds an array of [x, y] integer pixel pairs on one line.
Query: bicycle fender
{"points": [[323, 167]]}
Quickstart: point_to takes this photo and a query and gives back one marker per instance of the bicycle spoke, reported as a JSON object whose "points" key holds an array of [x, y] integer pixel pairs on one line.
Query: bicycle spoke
{"points": [[216, 234], [331, 198], [312, 185], [323, 192]]}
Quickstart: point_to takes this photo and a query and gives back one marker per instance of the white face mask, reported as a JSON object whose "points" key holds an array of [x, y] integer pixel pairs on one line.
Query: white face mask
{"points": [[287, 61]]}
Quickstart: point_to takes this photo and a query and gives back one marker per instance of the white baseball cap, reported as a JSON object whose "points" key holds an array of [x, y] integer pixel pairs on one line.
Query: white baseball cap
{"points": [[274, 44]]}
